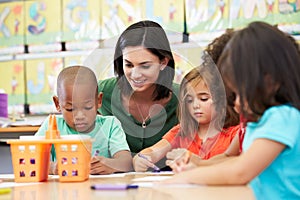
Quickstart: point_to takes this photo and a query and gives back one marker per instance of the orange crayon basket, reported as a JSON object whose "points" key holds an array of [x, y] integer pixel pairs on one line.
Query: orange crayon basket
{"points": [[73, 154], [31, 155], [30, 159]]}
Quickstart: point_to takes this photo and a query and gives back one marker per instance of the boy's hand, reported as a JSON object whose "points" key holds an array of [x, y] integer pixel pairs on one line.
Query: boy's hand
{"points": [[53, 169], [98, 166]]}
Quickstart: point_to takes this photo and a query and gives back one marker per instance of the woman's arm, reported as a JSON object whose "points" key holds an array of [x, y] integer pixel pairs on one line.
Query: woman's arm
{"points": [[238, 170], [153, 155]]}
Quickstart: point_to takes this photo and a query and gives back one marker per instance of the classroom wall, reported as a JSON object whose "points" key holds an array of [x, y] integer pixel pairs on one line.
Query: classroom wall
{"points": [[39, 37]]}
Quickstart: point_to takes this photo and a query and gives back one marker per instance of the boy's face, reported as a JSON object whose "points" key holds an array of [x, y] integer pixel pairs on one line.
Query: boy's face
{"points": [[78, 105]]}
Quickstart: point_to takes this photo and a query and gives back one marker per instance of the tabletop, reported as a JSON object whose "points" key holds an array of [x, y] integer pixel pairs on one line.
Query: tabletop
{"points": [[53, 189]]}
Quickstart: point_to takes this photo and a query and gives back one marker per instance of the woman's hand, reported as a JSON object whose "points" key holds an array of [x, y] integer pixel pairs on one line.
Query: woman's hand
{"points": [[98, 166], [141, 164]]}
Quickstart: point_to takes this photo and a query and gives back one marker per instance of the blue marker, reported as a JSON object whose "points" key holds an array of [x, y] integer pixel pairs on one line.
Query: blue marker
{"points": [[156, 169]]}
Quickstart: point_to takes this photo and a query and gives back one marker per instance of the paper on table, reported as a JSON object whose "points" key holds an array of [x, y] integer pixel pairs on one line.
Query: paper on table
{"points": [[108, 175], [151, 178], [153, 173], [154, 185], [13, 184]]}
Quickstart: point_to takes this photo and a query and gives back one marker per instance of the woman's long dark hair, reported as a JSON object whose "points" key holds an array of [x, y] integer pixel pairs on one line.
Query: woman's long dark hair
{"points": [[152, 37]]}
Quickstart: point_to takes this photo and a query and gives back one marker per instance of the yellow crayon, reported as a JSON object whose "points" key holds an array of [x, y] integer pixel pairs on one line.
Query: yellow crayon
{"points": [[5, 190]]}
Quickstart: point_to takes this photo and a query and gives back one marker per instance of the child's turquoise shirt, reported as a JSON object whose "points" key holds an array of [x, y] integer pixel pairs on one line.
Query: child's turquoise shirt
{"points": [[281, 179], [108, 135]]}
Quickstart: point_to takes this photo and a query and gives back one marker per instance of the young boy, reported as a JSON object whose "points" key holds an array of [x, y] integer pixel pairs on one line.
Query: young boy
{"points": [[78, 100]]}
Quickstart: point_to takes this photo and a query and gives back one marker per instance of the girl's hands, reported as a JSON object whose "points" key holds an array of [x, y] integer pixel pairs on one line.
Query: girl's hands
{"points": [[179, 160], [176, 154]]}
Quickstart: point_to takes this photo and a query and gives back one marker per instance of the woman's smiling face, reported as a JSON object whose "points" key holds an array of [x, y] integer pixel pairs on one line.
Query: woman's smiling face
{"points": [[141, 67]]}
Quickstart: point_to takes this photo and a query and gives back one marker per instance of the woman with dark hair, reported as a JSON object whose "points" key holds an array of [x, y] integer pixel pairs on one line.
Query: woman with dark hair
{"points": [[143, 95]]}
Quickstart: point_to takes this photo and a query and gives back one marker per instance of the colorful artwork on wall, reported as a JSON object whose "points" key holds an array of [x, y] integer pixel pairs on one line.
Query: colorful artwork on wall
{"points": [[81, 20], [41, 75], [43, 22], [12, 27], [214, 15], [12, 82], [171, 17]]}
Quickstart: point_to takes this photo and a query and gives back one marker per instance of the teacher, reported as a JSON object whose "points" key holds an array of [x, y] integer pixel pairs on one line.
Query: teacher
{"points": [[142, 95]]}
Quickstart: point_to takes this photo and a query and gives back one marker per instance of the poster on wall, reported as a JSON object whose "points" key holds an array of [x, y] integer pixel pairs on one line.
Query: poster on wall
{"points": [[81, 23], [217, 15], [171, 17], [117, 15], [12, 27], [12, 83], [41, 78], [43, 25]]}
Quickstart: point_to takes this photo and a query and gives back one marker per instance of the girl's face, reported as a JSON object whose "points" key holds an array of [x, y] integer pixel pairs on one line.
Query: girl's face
{"points": [[141, 67], [199, 103], [78, 106]]}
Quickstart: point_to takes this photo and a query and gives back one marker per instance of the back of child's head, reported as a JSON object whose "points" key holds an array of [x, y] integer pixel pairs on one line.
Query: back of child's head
{"points": [[213, 52], [208, 74], [75, 75], [262, 65], [215, 48]]}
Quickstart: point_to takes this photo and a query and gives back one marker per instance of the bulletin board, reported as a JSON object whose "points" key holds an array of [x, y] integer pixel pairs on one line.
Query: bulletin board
{"points": [[12, 25], [171, 17], [212, 15], [117, 15], [43, 21], [41, 76], [81, 20], [12, 82]]}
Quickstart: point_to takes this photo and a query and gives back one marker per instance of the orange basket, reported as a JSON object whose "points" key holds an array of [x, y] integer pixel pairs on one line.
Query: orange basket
{"points": [[73, 154], [31, 156], [30, 159]]}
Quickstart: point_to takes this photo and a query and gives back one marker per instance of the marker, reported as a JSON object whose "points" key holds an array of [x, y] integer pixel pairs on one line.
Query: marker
{"points": [[113, 186], [156, 169], [97, 152], [94, 160]]}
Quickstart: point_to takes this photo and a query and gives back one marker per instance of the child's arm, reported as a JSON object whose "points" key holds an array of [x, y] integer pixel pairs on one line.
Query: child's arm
{"points": [[238, 170], [153, 155], [177, 157], [120, 162]]}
